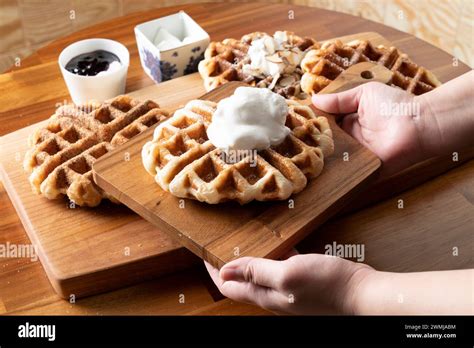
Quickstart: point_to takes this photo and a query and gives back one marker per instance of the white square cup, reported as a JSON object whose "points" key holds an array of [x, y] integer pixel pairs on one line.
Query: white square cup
{"points": [[183, 59]]}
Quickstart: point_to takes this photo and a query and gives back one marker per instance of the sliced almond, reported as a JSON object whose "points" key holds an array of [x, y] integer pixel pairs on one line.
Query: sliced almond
{"points": [[274, 59], [269, 44], [274, 81], [289, 69], [287, 81]]}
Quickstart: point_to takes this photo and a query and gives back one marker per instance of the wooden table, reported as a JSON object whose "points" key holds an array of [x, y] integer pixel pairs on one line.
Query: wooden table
{"points": [[437, 216]]}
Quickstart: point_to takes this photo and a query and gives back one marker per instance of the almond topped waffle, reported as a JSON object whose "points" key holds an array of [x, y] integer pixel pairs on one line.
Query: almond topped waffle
{"points": [[321, 66], [185, 163], [231, 60], [61, 154]]}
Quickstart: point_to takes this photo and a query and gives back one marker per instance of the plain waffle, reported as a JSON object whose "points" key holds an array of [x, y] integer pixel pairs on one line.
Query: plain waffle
{"points": [[184, 162], [321, 66], [224, 62], [61, 154]]}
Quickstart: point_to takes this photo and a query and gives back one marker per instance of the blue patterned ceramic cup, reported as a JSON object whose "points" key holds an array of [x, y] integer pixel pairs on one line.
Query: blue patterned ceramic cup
{"points": [[171, 46]]}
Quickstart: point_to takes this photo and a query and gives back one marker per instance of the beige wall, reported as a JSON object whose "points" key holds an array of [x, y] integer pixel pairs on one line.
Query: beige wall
{"points": [[26, 25]]}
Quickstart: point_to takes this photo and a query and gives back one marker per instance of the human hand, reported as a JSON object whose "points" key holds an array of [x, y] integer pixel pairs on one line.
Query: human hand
{"points": [[302, 284], [382, 118]]}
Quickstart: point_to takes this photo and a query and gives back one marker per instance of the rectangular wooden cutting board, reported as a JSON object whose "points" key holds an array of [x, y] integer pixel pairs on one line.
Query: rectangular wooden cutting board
{"points": [[86, 251], [223, 232]]}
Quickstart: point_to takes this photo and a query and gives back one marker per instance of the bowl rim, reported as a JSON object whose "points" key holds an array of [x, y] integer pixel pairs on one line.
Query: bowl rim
{"points": [[114, 42]]}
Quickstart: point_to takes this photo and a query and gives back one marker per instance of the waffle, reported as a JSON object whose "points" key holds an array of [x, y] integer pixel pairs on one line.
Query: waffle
{"points": [[185, 163], [61, 154], [224, 62], [321, 66]]}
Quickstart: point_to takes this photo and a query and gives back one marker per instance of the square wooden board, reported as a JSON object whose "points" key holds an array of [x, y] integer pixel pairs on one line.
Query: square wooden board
{"points": [[223, 232]]}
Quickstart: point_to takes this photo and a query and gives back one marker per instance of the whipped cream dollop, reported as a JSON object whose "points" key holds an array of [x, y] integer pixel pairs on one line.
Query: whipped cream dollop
{"points": [[114, 66], [272, 56], [250, 119]]}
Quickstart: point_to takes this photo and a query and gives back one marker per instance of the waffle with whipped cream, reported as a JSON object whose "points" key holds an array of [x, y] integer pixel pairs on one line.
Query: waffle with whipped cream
{"points": [[321, 66], [62, 153], [185, 163], [258, 59]]}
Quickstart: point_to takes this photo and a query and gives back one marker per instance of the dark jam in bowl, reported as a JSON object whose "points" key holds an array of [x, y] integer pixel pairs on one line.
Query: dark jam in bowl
{"points": [[91, 63]]}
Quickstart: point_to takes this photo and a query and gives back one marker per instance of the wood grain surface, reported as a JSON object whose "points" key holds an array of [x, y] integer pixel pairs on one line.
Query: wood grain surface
{"points": [[437, 216], [86, 251], [223, 232], [24, 27]]}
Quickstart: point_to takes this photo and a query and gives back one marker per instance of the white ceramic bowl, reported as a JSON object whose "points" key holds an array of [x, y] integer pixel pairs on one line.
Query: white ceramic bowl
{"points": [[183, 58], [100, 87]]}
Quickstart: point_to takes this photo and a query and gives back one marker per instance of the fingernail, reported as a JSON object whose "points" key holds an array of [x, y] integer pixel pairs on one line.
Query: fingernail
{"points": [[317, 97], [232, 273]]}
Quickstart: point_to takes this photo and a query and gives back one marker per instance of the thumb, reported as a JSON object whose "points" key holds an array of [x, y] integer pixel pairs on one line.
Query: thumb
{"points": [[258, 271], [339, 103]]}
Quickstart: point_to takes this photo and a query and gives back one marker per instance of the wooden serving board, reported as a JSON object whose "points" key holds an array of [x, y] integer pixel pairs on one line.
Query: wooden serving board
{"points": [[223, 232], [86, 251]]}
